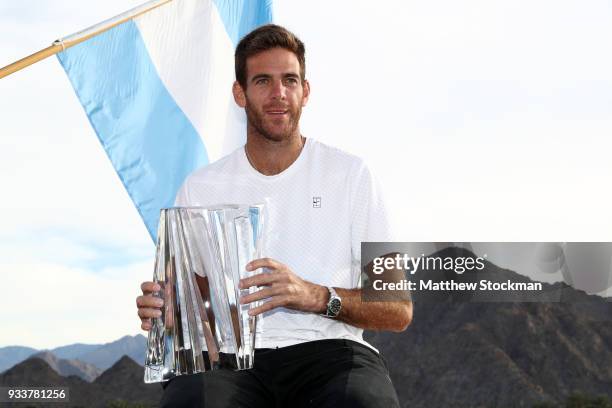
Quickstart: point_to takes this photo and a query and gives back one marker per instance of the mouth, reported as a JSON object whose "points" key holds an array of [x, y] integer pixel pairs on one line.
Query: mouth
{"points": [[276, 112]]}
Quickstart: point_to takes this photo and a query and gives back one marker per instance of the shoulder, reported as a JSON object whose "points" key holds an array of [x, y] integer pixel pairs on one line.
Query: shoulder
{"points": [[208, 178]]}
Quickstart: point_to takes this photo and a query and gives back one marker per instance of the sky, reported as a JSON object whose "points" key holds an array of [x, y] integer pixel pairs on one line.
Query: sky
{"points": [[483, 121]]}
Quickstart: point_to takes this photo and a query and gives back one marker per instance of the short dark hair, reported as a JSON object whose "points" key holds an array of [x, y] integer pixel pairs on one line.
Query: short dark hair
{"points": [[265, 38]]}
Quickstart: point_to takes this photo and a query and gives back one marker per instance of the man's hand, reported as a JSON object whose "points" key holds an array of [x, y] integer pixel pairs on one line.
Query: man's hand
{"points": [[148, 305], [283, 288]]}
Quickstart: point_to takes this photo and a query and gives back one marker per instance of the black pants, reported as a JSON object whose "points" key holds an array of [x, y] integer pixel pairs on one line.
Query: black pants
{"points": [[321, 374]]}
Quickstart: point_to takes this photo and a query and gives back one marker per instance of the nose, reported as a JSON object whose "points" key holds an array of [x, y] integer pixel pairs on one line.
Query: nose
{"points": [[279, 90]]}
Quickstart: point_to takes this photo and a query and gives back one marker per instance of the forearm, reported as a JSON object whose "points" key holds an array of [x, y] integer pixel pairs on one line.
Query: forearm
{"points": [[370, 315]]}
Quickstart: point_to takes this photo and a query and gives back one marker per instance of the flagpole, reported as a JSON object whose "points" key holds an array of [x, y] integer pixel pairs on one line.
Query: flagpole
{"points": [[79, 37]]}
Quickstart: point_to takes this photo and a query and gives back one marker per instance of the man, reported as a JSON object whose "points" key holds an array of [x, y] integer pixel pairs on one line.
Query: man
{"points": [[322, 204]]}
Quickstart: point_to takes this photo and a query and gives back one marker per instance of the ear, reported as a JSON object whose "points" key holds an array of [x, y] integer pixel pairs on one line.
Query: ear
{"points": [[306, 93], [239, 96]]}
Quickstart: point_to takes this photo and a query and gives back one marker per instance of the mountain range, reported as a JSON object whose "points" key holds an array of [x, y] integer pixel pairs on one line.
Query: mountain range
{"points": [[84, 360], [68, 367], [123, 381]]}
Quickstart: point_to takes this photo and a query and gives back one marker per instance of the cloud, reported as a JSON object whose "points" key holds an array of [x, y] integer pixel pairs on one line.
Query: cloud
{"points": [[70, 247], [46, 305]]}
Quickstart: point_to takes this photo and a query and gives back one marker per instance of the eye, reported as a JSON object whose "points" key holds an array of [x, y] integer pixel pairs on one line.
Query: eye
{"points": [[291, 81], [261, 81]]}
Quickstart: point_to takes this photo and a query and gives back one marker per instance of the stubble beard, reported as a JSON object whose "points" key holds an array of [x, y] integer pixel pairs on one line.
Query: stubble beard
{"points": [[257, 121]]}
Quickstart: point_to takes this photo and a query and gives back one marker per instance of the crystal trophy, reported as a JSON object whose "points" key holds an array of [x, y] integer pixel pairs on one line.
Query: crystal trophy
{"points": [[201, 256]]}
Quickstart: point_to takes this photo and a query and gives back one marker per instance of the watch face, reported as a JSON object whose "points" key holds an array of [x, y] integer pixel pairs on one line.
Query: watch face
{"points": [[334, 307]]}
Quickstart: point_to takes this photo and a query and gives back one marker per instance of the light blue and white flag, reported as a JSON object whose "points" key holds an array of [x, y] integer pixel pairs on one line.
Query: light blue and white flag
{"points": [[157, 91]]}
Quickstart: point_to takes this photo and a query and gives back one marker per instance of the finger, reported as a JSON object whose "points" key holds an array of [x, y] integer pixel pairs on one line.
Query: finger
{"points": [[149, 301], [273, 303], [146, 324], [261, 279], [261, 294], [149, 287], [145, 313], [264, 263]]}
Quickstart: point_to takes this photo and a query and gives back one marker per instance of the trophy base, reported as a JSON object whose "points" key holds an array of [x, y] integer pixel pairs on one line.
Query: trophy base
{"points": [[157, 373], [244, 362]]}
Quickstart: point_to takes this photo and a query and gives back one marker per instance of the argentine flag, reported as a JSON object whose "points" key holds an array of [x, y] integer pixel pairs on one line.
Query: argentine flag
{"points": [[157, 91]]}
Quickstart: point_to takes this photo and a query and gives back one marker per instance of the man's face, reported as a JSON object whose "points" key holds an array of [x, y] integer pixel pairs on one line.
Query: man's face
{"points": [[274, 95]]}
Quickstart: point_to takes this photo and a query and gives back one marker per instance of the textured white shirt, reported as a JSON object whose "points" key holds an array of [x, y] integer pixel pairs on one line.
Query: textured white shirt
{"points": [[319, 210]]}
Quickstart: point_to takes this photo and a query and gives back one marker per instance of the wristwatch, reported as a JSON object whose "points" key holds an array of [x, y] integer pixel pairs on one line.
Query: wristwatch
{"points": [[334, 304]]}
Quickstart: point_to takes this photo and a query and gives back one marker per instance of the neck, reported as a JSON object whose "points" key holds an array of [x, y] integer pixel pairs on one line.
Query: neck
{"points": [[270, 157]]}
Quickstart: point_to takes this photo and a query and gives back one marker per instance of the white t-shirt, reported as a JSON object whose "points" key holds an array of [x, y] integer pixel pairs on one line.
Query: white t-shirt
{"points": [[319, 210]]}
